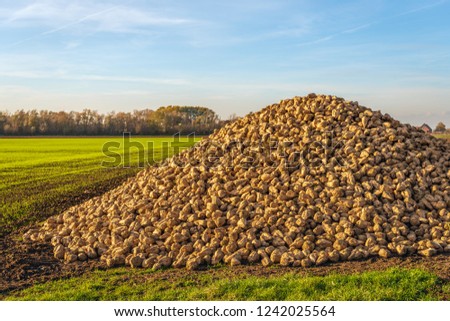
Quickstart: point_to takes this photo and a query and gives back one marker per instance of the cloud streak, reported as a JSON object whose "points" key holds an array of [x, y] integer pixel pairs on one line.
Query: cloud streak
{"points": [[57, 29], [357, 28], [370, 24], [422, 8], [97, 18], [316, 41], [92, 77]]}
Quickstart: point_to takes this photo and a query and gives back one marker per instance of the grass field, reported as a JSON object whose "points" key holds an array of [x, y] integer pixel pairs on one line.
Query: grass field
{"points": [[444, 136], [40, 177]]}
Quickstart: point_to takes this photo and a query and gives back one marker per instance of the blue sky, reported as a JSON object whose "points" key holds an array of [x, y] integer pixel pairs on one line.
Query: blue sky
{"points": [[231, 56]]}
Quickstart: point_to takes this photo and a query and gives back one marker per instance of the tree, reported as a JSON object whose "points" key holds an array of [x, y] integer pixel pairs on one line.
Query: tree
{"points": [[166, 120], [440, 127], [3, 120]]}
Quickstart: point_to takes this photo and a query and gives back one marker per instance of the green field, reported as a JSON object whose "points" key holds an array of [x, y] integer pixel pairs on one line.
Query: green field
{"points": [[444, 136], [43, 176], [40, 177]]}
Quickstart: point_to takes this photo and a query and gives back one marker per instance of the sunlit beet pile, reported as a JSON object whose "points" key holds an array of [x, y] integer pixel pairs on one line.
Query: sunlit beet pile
{"points": [[304, 182]]}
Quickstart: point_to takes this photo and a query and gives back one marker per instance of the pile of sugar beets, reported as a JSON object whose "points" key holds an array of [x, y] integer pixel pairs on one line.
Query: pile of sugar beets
{"points": [[307, 181]]}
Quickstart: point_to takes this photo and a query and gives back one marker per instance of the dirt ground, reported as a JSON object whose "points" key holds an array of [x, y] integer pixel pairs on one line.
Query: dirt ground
{"points": [[25, 264]]}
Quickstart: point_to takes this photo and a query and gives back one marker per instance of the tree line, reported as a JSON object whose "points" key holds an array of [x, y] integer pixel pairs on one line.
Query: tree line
{"points": [[440, 128], [163, 121]]}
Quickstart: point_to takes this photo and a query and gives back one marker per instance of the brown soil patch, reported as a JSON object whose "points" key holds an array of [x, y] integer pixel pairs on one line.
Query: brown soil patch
{"points": [[25, 264]]}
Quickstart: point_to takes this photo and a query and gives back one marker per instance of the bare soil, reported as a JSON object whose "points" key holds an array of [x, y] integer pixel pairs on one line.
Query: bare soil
{"points": [[25, 264]]}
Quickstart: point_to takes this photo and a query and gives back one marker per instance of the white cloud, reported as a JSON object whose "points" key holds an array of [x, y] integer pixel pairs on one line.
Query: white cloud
{"points": [[17, 97], [72, 45], [92, 77], [370, 24], [340, 33], [358, 28], [96, 16], [316, 41], [422, 8]]}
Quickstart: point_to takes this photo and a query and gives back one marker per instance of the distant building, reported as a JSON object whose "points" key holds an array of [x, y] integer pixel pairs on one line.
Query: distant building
{"points": [[427, 129]]}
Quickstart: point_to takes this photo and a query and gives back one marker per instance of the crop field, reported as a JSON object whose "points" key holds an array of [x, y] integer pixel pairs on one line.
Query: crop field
{"points": [[443, 136], [44, 176], [40, 177]]}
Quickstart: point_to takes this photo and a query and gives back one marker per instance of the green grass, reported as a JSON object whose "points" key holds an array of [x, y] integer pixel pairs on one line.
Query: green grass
{"points": [[126, 284], [40, 177], [444, 136]]}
